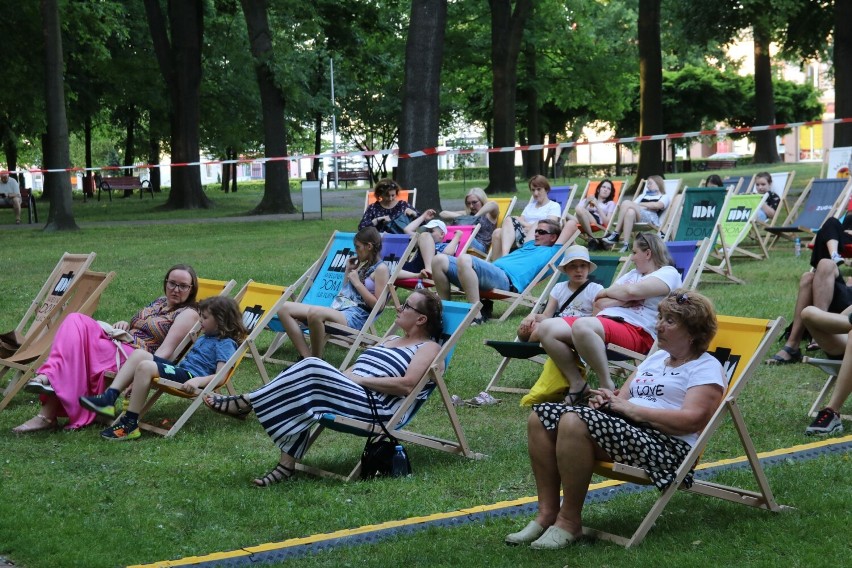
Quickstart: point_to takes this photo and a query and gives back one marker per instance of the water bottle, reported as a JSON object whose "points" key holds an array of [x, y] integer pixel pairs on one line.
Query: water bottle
{"points": [[798, 246], [399, 464]]}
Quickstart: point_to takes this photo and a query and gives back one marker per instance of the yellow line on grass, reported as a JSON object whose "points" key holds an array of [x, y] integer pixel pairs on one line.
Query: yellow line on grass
{"points": [[411, 521]]}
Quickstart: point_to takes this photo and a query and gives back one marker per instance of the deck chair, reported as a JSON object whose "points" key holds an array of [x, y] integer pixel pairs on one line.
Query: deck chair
{"points": [[258, 303], [836, 162], [468, 233], [563, 195], [409, 195], [49, 301], [781, 184], [673, 185], [831, 367], [525, 297], [617, 186], [83, 297], [457, 318], [821, 199], [505, 206], [607, 268], [698, 211], [738, 185], [320, 284], [738, 220], [741, 343]]}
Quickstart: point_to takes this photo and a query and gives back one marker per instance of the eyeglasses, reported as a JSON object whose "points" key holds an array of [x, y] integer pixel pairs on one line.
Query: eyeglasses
{"points": [[680, 298], [543, 232], [407, 306], [471, 202], [172, 285]]}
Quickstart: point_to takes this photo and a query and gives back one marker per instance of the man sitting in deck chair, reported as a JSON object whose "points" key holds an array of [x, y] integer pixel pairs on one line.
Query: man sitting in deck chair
{"points": [[512, 272]]}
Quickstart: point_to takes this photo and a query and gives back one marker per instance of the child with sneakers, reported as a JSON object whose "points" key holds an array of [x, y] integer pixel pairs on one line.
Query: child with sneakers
{"points": [[647, 208], [574, 297], [222, 330], [832, 332]]}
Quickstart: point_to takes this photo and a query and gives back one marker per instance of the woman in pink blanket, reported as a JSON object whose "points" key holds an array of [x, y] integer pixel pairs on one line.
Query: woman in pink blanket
{"points": [[82, 351]]}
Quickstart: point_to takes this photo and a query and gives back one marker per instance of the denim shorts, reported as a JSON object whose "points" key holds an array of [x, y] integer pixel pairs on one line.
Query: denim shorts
{"points": [[478, 245], [355, 317], [490, 277]]}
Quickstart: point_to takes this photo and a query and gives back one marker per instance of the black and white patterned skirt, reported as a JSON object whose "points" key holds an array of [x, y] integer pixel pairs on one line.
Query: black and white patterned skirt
{"points": [[644, 447]]}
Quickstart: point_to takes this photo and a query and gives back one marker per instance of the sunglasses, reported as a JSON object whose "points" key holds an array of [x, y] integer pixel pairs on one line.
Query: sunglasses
{"points": [[543, 232], [680, 298], [407, 306]]}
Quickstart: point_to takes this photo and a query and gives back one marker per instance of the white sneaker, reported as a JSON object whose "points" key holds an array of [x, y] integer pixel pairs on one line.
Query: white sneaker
{"points": [[836, 258], [611, 238], [827, 421], [624, 248]]}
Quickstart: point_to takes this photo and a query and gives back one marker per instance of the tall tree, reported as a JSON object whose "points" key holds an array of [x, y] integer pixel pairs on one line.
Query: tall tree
{"points": [[843, 71], [650, 88], [422, 99], [276, 195], [507, 30], [57, 154], [179, 57]]}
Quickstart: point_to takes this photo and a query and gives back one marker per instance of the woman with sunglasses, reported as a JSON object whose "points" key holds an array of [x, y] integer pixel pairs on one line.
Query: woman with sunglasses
{"points": [[82, 351], [626, 313], [289, 405], [478, 210], [661, 410], [387, 207]]}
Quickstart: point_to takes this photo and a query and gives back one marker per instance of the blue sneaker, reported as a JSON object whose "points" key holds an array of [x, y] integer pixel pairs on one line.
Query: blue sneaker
{"points": [[101, 405], [122, 431]]}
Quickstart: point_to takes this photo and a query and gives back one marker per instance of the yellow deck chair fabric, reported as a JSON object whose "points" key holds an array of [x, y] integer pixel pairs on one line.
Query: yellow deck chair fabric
{"points": [[742, 343]]}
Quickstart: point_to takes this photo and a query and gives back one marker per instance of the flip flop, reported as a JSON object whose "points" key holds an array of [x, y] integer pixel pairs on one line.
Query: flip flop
{"points": [[812, 346], [483, 399]]}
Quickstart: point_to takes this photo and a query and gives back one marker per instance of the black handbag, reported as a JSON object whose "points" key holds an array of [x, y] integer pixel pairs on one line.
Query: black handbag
{"points": [[379, 451], [398, 224]]}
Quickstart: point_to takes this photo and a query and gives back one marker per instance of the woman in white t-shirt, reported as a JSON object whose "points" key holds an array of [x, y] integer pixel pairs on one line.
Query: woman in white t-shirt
{"points": [[626, 313], [511, 236], [661, 409], [566, 297], [647, 208]]}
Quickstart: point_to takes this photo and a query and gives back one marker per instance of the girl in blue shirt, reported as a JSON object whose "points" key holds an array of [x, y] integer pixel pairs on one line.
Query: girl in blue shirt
{"points": [[222, 330]]}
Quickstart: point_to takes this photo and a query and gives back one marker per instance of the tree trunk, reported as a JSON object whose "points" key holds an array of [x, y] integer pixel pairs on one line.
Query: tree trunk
{"points": [[57, 152], [421, 100], [765, 148], [533, 162], [650, 89], [154, 158], [233, 171], [276, 192], [89, 183], [507, 27], [180, 65], [226, 172], [842, 71], [130, 144], [315, 164]]}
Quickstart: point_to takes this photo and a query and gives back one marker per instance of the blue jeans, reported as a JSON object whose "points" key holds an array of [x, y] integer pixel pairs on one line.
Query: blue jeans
{"points": [[489, 276]]}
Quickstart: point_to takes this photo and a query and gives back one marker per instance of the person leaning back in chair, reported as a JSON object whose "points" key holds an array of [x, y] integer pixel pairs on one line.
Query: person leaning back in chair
{"points": [[10, 194], [661, 409], [512, 272]]}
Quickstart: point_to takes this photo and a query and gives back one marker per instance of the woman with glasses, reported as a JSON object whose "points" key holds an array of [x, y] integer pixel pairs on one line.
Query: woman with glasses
{"points": [[625, 315], [387, 208], [651, 423], [382, 376], [82, 351], [477, 210]]}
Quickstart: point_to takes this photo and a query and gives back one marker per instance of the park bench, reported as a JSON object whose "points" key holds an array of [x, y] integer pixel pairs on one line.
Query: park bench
{"points": [[110, 184], [346, 176], [720, 164], [27, 202]]}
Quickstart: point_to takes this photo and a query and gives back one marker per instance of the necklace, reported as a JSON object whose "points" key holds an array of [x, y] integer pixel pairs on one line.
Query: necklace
{"points": [[667, 364]]}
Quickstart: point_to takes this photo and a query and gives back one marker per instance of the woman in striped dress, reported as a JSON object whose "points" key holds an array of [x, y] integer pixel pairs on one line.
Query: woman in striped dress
{"points": [[289, 405]]}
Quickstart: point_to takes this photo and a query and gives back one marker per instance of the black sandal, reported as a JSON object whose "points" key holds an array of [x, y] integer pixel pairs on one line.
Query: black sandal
{"points": [[795, 357], [277, 475], [579, 397], [234, 406]]}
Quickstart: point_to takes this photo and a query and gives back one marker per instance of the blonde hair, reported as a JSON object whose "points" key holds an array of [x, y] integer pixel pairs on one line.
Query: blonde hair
{"points": [[478, 193]]}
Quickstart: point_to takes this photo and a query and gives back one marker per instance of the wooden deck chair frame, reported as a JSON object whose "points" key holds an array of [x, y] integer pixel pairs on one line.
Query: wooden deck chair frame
{"points": [[783, 190], [83, 298], [355, 339], [402, 417], [794, 225], [525, 297], [673, 186], [724, 249], [409, 195], [50, 300], [665, 220], [533, 351], [739, 372], [737, 185], [831, 367], [258, 302]]}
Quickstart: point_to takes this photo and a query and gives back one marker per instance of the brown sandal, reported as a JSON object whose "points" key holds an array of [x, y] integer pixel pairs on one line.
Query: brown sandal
{"points": [[277, 475]]}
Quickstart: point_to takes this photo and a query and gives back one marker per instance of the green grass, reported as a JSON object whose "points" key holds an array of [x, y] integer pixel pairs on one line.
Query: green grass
{"points": [[72, 499]]}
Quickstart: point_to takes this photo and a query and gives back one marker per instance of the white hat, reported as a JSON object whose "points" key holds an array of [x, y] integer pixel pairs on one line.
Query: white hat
{"points": [[577, 252], [434, 223]]}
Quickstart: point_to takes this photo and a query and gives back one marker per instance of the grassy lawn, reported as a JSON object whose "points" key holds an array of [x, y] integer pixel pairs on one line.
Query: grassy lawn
{"points": [[72, 499]]}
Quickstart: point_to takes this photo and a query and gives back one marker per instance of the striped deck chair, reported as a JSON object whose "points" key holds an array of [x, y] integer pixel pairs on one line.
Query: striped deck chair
{"points": [[457, 318], [740, 344]]}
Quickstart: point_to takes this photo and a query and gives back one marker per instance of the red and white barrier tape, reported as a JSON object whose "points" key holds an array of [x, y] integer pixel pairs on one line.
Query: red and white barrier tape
{"points": [[461, 151]]}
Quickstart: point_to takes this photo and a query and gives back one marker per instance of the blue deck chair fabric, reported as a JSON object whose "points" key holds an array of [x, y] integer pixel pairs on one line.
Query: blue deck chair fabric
{"points": [[821, 202], [740, 184]]}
